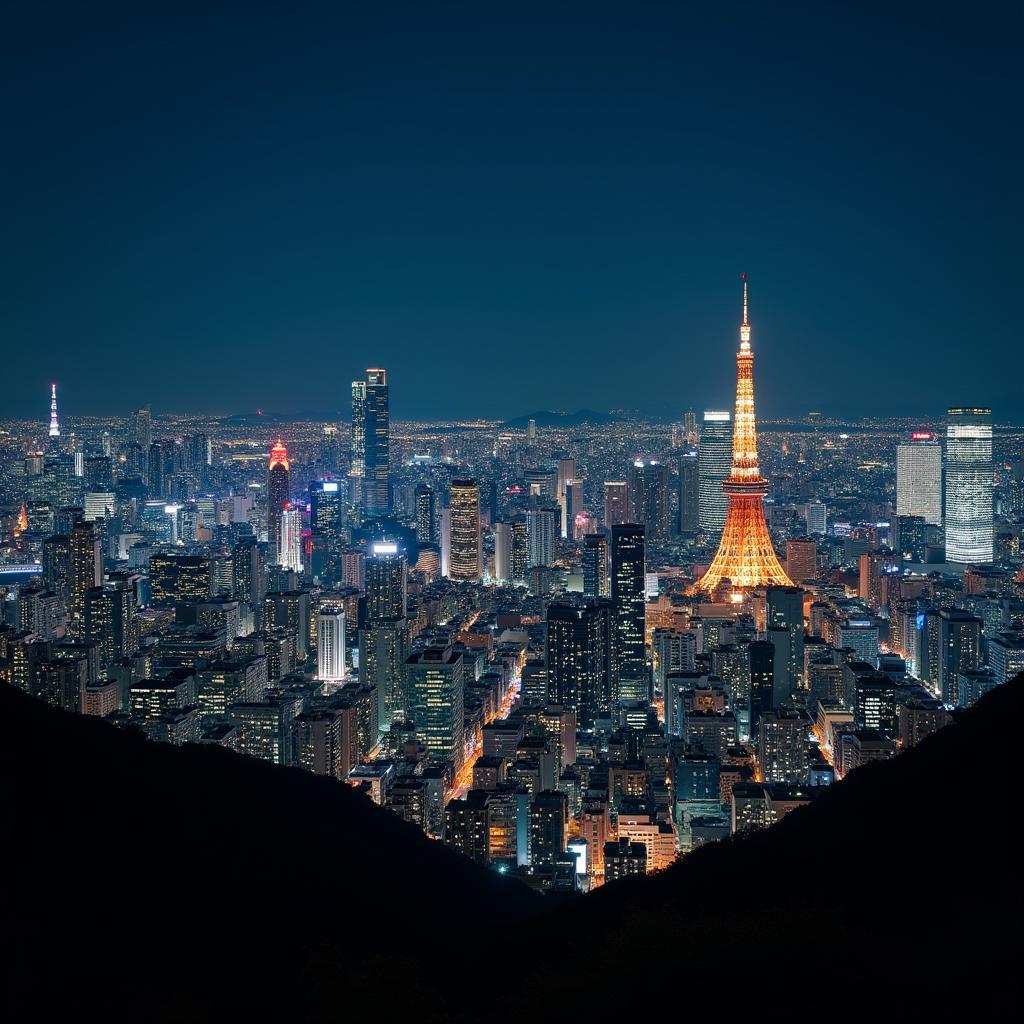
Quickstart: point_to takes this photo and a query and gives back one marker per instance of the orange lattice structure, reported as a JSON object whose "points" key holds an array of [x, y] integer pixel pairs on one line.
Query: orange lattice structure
{"points": [[745, 556]]}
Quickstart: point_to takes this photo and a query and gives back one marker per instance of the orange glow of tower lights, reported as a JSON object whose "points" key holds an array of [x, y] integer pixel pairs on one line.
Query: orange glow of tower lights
{"points": [[745, 555]]}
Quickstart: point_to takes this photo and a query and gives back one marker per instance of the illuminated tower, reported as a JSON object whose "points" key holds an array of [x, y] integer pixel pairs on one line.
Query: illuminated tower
{"points": [[745, 555], [54, 428], [278, 487], [464, 557]]}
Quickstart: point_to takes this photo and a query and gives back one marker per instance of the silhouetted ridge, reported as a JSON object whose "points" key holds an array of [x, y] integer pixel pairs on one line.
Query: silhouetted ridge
{"points": [[201, 881]]}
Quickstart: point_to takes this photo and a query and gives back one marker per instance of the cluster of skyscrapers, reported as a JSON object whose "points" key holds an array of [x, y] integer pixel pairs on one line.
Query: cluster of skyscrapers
{"points": [[572, 654]]}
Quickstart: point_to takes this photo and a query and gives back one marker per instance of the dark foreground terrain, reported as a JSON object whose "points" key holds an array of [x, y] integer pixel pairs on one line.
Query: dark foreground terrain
{"points": [[158, 883]]}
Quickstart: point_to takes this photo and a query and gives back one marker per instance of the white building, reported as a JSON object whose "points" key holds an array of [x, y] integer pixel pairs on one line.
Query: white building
{"points": [[290, 555], [330, 640], [919, 478], [970, 525]]}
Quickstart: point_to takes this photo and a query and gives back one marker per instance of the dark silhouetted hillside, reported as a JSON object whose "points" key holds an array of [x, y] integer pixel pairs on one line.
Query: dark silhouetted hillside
{"points": [[193, 883], [899, 890]]}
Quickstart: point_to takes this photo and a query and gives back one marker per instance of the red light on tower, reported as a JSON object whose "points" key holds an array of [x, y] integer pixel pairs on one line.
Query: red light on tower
{"points": [[279, 455]]}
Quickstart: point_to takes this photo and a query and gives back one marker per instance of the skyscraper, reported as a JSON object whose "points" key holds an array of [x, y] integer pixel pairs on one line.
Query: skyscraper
{"points": [[714, 457], [464, 558], [581, 658], [86, 565], [648, 492], [503, 552], [628, 566], [616, 503], [384, 631], [595, 565], [377, 431], [689, 493], [542, 533], [289, 553], [357, 465], [969, 471], [426, 514], [436, 702], [330, 642], [919, 477], [278, 494], [745, 555]]}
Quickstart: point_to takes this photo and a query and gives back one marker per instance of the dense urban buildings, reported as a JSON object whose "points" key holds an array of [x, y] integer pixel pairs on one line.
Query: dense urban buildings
{"points": [[572, 654]]}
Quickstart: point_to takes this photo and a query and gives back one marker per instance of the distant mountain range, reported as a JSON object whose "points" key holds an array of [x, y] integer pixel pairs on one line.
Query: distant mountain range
{"points": [[550, 418]]}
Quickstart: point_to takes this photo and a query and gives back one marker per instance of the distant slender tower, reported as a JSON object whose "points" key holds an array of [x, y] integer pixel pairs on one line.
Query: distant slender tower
{"points": [[745, 555], [54, 428], [278, 491]]}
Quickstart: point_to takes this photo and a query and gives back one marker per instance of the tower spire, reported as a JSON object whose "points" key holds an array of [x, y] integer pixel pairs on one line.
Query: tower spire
{"points": [[745, 557], [54, 428], [745, 326]]}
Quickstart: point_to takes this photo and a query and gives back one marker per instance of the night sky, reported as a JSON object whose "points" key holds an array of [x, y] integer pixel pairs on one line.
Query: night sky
{"points": [[511, 206]]}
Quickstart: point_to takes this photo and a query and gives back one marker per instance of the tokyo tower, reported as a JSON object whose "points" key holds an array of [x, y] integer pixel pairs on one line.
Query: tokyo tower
{"points": [[745, 556]]}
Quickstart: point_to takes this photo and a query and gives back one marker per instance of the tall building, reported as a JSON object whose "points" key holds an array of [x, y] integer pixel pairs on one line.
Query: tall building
{"points": [[648, 492], [86, 571], [330, 641], [386, 582], [435, 680], [817, 518], [357, 462], [801, 559], [689, 492], [616, 503], [714, 459], [278, 494], [919, 477], [426, 514], [503, 552], [520, 550], [542, 535], [581, 658], [969, 472], [595, 565], [464, 555], [566, 473], [745, 555], [289, 552], [377, 431], [628, 567]]}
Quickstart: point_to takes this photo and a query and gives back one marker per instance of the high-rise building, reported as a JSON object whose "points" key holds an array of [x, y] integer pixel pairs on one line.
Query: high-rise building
{"points": [[435, 680], [289, 552], [503, 552], [377, 430], [648, 491], [426, 514], [616, 503], [689, 492], [326, 513], [595, 565], [919, 477], [464, 557], [817, 518], [357, 462], [278, 494], [330, 640], [542, 534], [566, 472], [386, 582], [714, 459], [520, 550], [581, 658], [86, 572], [801, 559], [628, 597], [745, 555], [969, 474]]}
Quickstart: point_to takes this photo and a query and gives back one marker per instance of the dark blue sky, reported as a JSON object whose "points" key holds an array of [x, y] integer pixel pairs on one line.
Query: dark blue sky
{"points": [[512, 206]]}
